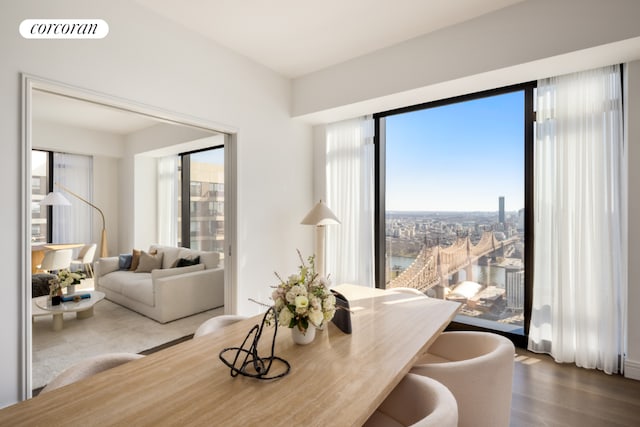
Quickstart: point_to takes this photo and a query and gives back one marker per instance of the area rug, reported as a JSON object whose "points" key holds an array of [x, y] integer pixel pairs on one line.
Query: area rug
{"points": [[112, 328]]}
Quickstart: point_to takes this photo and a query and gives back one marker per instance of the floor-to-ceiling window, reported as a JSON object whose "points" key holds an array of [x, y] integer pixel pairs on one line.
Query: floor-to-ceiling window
{"points": [[61, 172], [201, 200], [453, 195]]}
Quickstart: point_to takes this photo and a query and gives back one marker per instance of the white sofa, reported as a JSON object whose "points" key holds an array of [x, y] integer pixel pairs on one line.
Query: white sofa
{"points": [[166, 293]]}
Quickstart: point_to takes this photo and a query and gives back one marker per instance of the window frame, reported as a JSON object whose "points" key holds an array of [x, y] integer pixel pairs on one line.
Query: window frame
{"points": [[380, 191]]}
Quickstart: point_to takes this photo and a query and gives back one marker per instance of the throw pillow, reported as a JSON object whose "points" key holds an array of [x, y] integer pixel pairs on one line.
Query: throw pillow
{"points": [[185, 262], [124, 261], [135, 259], [149, 262], [40, 284]]}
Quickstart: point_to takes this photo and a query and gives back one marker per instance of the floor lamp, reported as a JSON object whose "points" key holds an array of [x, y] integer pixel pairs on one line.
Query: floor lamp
{"points": [[103, 238], [320, 216]]}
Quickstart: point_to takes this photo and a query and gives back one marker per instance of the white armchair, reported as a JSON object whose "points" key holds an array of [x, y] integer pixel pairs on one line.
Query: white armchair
{"points": [[478, 369], [417, 401], [218, 322], [88, 367]]}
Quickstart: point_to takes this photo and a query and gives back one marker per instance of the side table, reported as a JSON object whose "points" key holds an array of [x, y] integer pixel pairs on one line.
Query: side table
{"points": [[83, 308]]}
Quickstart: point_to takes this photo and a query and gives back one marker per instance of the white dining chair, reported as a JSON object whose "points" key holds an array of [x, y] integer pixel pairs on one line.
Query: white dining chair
{"points": [[56, 260], [416, 401], [85, 258], [216, 323], [478, 369], [88, 367]]}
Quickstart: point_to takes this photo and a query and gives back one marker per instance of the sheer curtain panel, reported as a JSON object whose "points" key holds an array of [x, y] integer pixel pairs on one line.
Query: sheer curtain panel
{"points": [[73, 224], [168, 201], [349, 188], [580, 204]]}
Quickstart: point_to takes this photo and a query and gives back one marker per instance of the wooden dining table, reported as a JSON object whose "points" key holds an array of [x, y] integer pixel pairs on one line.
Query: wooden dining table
{"points": [[337, 380]]}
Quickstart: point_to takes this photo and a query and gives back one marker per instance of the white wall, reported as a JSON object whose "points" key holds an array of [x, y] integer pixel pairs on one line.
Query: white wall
{"points": [[523, 42], [632, 367], [126, 231], [145, 196], [154, 62], [106, 196], [71, 139], [165, 136]]}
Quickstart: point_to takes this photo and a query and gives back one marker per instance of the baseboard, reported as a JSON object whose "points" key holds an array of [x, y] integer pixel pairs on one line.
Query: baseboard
{"points": [[632, 369], [166, 345]]}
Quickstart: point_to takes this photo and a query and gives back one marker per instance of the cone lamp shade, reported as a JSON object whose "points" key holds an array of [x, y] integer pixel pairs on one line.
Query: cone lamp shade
{"points": [[320, 216], [55, 198]]}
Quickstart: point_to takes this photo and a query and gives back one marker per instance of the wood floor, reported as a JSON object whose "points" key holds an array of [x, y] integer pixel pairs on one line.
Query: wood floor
{"points": [[549, 394]]}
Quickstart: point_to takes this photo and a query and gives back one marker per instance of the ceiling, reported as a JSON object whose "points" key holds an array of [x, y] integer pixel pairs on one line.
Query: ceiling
{"points": [[291, 37], [74, 112], [298, 37]]}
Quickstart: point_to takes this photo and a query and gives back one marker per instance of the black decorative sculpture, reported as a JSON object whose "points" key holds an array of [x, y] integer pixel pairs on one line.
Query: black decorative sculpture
{"points": [[247, 362]]}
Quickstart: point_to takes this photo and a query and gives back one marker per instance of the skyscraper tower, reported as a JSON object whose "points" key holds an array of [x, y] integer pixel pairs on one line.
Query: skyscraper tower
{"points": [[501, 209]]}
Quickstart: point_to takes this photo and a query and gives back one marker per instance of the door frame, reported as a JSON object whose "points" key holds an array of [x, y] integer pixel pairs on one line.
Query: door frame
{"points": [[31, 83]]}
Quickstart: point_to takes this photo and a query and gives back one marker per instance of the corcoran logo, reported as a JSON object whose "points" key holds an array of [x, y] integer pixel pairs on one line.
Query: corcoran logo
{"points": [[64, 29]]}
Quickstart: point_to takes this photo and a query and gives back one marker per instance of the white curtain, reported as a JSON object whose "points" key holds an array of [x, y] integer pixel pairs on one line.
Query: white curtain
{"points": [[580, 220], [73, 224], [168, 201], [349, 194]]}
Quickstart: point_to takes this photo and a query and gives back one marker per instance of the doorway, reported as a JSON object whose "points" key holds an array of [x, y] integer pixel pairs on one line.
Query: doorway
{"points": [[38, 91]]}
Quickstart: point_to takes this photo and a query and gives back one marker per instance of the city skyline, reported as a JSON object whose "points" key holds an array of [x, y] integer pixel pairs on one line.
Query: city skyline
{"points": [[473, 153]]}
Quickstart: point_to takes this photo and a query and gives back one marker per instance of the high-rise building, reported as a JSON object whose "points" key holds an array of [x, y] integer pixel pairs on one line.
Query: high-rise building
{"points": [[501, 209], [521, 220], [515, 289], [207, 206]]}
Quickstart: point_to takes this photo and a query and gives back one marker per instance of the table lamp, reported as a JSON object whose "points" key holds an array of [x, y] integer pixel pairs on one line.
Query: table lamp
{"points": [[320, 216]]}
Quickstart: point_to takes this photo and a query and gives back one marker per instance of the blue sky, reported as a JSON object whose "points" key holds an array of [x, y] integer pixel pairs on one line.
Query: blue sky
{"points": [[458, 157], [215, 156]]}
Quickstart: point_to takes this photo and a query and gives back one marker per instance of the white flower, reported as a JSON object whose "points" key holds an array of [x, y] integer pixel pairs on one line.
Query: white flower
{"points": [[284, 317], [302, 303], [303, 297], [315, 303], [291, 297], [316, 317], [293, 279], [324, 282], [299, 290], [329, 302]]}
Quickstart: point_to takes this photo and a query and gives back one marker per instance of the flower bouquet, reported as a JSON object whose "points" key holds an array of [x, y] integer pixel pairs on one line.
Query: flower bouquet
{"points": [[304, 301], [63, 279]]}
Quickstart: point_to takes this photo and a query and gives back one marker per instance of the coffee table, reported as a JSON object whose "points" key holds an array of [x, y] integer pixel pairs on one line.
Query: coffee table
{"points": [[83, 308]]}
